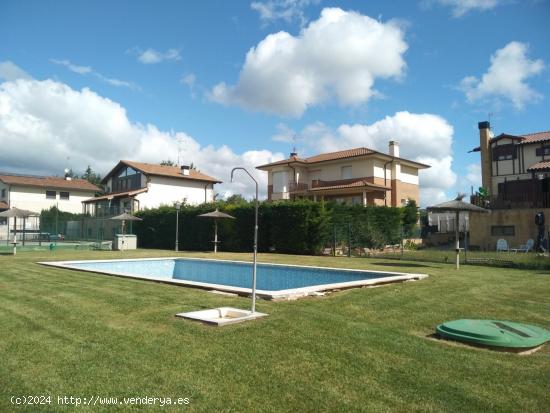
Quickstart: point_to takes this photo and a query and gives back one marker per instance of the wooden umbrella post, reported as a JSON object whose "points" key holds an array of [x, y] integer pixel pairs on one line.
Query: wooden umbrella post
{"points": [[14, 236], [215, 236], [122, 248], [457, 235]]}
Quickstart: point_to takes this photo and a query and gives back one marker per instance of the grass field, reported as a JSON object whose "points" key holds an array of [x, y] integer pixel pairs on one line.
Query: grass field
{"points": [[67, 333]]}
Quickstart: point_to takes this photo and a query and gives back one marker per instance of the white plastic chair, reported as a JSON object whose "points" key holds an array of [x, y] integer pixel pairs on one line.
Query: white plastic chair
{"points": [[502, 245], [525, 247]]}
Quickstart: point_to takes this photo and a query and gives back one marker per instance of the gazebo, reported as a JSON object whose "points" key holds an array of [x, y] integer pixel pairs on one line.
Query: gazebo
{"points": [[457, 205], [17, 213]]}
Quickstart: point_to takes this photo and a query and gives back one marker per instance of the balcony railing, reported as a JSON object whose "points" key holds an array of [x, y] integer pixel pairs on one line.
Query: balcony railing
{"points": [[513, 201], [297, 187]]}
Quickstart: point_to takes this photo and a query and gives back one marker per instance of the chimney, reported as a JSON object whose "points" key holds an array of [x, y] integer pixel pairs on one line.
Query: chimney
{"points": [[394, 149], [484, 149], [185, 170]]}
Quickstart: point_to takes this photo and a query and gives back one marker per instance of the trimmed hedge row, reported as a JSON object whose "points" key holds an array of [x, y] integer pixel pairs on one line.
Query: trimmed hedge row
{"points": [[299, 227]]}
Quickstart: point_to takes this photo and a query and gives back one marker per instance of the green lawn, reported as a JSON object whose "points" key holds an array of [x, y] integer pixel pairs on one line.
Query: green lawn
{"points": [[67, 333]]}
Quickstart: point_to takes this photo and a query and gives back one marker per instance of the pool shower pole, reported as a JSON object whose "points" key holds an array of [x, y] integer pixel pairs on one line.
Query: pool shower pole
{"points": [[178, 206], [255, 237]]}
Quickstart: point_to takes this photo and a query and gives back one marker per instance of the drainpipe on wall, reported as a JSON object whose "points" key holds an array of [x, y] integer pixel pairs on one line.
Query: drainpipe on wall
{"points": [[205, 192], [294, 170]]}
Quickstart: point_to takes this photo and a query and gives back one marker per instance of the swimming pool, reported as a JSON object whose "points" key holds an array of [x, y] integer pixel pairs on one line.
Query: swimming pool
{"points": [[274, 281]]}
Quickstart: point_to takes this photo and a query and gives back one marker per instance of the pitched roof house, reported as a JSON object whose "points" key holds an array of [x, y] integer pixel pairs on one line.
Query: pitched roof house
{"points": [[35, 193], [358, 176], [515, 171], [134, 185]]}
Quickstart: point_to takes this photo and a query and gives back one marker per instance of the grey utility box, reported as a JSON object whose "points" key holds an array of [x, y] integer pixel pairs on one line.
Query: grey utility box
{"points": [[126, 242]]}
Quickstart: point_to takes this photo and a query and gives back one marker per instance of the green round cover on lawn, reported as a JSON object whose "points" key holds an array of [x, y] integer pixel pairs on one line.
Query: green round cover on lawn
{"points": [[494, 333]]}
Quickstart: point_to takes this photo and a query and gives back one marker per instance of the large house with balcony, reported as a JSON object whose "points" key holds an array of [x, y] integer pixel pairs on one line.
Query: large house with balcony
{"points": [[515, 174], [356, 176], [132, 186]]}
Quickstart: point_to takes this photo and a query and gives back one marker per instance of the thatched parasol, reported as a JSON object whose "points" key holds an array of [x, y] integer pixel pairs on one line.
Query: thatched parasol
{"points": [[457, 205], [215, 215], [17, 213]]}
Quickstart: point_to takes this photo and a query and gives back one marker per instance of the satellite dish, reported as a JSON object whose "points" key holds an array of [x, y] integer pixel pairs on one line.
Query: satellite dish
{"points": [[67, 170]]}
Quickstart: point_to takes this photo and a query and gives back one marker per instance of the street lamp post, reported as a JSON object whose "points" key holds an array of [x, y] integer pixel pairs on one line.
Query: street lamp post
{"points": [[255, 237], [178, 206]]}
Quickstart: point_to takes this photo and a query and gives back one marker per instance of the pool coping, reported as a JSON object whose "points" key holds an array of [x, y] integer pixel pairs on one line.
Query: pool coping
{"points": [[288, 294]]}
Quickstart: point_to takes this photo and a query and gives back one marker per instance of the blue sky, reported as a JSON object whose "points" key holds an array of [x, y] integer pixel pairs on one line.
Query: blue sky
{"points": [[161, 78]]}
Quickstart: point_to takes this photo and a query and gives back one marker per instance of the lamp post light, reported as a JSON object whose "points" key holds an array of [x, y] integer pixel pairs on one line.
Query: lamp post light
{"points": [[178, 206], [255, 237]]}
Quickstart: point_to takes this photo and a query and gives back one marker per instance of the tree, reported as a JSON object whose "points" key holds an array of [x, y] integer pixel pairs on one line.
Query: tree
{"points": [[236, 199], [90, 176], [168, 162], [409, 217]]}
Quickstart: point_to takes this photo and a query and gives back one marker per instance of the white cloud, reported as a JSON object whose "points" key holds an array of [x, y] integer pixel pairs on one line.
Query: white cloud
{"points": [[506, 77], [425, 138], [189, 80], [48, 117], [81, 70], [10, 71], [87, 70], [284, 134], [473, 176], [461, 7], [152, 56], [287, 10], [339, 55]]}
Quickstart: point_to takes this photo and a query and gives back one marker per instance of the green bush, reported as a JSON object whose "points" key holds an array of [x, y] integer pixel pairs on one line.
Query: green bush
{"points": [[299, 227]]}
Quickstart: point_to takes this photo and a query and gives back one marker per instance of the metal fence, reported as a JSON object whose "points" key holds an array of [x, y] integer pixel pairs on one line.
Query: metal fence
{"points": [[59, 226]]}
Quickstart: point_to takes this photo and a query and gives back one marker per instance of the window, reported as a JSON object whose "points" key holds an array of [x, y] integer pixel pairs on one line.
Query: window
{"points": [[127, 172], [315, 175], [346, 172], [3, 193], [545, 150], [357, 200], [51, 194], [280, 181], [3, 221], [503, 230], [504, 152], [64, 195]]}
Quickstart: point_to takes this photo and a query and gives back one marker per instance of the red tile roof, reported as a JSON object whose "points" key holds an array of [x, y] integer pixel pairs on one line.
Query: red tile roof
{"points": [[525, 139], [48, 182], [349, 153], [162, 170], [539, 166], [358, 184], [113, 195], [331, 156], [536, 137]]}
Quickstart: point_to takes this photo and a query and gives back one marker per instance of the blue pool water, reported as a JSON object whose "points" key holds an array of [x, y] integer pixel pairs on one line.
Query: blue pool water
{"points": [[234, 274]]}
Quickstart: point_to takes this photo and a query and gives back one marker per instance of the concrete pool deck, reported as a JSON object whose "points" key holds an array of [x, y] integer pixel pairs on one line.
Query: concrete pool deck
{"points": [[284, 294]]}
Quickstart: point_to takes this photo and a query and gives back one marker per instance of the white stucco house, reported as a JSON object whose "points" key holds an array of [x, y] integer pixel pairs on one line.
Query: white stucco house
{"points": [[132, 186], [36, 193]]}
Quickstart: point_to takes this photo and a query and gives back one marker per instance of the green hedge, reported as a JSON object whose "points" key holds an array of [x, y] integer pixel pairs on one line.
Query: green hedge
{"points": [[299, 227]]}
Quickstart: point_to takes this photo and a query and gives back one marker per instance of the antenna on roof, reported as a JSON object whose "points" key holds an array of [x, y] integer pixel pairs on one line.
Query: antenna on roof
{"points": [[294, 153], [68, 172]]}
